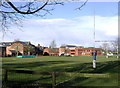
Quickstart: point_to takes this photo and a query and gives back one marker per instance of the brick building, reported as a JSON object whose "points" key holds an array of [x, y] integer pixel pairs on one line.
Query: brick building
{"points": [[67, 50], [88, 51], [78, 50], [3, 46], [26, 48], [2, 51], [50, 52], [20, 48]]}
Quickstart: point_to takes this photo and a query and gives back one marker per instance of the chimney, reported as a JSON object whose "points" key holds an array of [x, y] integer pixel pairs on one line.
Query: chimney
{"points": [[38, 45]]}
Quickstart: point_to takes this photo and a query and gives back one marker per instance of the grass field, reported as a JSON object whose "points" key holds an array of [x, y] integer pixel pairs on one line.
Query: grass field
{"points": [[77, 64]]}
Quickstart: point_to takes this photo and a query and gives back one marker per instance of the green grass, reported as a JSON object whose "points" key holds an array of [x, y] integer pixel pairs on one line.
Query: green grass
{"points": [[77, 64], [64, 64]]}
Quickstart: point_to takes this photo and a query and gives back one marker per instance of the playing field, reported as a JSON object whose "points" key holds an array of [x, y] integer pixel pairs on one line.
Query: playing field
{"points": [[73, 66]]}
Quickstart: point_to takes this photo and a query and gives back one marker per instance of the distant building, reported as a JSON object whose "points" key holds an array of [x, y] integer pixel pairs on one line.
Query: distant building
{"points": [[67, 50], [88, 51], [3, 46], [78, 50], [50, 51], [45, 51], [26, 48], [2, 51], [19, 48]]}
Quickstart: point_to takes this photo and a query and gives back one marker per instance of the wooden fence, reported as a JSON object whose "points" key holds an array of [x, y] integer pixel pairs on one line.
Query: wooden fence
{"points": [[53, 74]]}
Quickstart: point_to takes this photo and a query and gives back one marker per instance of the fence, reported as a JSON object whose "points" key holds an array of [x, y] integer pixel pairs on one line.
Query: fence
{"points": [[54, 75]]}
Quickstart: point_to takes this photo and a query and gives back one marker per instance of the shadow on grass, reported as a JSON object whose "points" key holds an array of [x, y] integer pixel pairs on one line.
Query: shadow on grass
{"points": [[108, 67], [73, 81], [27, 84], [102, 67], [88, 81], [33, 64]]}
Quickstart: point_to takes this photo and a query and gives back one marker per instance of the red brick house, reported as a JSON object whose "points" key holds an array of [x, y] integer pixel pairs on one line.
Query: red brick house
{"points": [[26, 48], [19, 48], [79, 50], [50, 52], [3, 46], [67, 50], [2, 51], [88, 51]]}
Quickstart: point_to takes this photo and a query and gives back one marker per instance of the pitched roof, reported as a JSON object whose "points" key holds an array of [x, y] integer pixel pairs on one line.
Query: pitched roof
{"points": [[6, 43], [70, 46], [90, 49], [22, 42], [62, 47]]}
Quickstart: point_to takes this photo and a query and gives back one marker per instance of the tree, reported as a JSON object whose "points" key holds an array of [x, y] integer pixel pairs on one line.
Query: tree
{"points": [[105, 47], [28, 49], [13, 13], [52, 44], [116, 45], [52, 47]]}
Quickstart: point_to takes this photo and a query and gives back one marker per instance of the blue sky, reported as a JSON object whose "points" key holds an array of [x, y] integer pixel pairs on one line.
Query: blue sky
{"points": [[69, 26], [101, 8]]}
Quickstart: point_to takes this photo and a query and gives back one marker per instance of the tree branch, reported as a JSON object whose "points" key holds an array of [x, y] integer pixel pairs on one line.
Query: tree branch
{"points": [[27, 12], [7, 12], [79, 8]]}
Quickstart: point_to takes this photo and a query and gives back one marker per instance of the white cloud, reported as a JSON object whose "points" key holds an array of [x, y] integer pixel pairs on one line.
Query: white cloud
{"points": [[78, 30]]}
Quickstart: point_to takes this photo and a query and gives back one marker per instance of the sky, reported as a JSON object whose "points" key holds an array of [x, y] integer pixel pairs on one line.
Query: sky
{"points": [[69, 26]]}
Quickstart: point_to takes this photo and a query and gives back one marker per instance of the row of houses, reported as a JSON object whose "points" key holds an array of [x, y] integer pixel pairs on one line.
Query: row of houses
{"points": [[79, 50], [26, 48], [19, 48]]}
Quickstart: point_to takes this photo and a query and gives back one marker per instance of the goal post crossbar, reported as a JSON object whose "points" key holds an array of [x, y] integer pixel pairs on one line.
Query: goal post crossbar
{"points": [[104, 40]]}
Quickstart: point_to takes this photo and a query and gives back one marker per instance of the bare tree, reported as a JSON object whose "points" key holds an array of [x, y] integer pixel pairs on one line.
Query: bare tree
{"points": [[12, 13], [52, 44], [115, 46], [52, 47], [118, 44], [105, 47]]}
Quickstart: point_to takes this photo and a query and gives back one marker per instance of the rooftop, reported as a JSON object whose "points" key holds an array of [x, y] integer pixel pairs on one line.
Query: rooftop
{"points": [[9, 43]]}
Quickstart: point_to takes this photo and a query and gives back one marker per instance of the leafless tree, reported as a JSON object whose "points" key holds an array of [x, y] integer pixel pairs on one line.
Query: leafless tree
{"points": [[12, 13], [116, 45], [52, 44], [52, 47], [105, 47]]}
